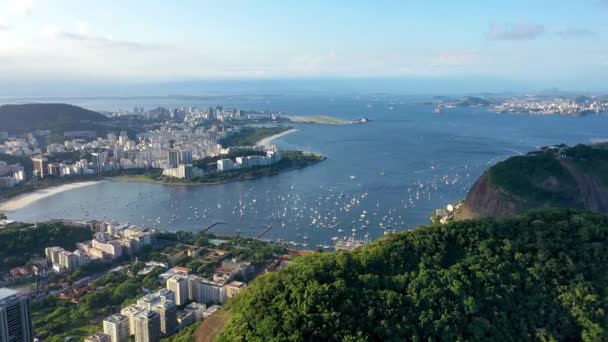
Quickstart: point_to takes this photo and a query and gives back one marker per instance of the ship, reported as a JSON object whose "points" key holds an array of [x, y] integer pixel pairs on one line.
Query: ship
{"points": [[438, 110]]}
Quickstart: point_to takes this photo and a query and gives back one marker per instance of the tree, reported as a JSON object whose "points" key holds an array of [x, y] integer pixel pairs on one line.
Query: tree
{"points": [[539, 276]]}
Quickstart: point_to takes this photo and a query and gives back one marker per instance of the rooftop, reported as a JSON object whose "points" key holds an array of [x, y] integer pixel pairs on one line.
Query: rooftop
{"points": [[236, 284], [115, 318], [5, 293]]}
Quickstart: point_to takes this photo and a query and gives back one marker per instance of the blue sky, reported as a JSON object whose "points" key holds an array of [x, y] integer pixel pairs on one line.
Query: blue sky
{"points": [[561, 43]]}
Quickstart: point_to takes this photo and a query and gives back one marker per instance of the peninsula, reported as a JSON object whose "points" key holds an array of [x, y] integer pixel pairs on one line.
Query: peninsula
{"points": [[172, 146]]}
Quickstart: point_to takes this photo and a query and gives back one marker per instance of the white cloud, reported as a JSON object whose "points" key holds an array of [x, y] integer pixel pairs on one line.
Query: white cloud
{"points": [[521, 31], [20, 7], [83, 28], [104, 41], [49, 31], [82, 35]]}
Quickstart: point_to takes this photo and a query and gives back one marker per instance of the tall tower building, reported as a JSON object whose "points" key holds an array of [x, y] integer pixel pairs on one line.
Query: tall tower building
{"points": [[40, 166], [179, 285], [117, 327], [168, 317], [15, 317], [185, 157], [147, 327], [173, 158], [122, 139], [99, 160], [131, 313]]}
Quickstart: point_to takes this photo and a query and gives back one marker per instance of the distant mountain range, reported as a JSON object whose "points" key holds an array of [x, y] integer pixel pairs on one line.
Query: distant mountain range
{"points": [[559, 176], [57, 117]]}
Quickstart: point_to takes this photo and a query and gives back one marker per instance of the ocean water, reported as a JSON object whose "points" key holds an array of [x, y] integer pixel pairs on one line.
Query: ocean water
{"points": [[390, 173]]}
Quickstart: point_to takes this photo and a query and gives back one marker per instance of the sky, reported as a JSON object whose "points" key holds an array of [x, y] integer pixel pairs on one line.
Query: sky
{"points": [[553, 43]]}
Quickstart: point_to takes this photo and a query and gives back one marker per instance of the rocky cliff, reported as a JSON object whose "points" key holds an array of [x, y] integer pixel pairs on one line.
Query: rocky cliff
{"points": [[564, 177]]}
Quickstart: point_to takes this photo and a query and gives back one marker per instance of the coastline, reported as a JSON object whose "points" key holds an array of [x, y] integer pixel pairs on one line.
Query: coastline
{"points": [[268, 140], [137, 179], [317, 119], [26, 199]]}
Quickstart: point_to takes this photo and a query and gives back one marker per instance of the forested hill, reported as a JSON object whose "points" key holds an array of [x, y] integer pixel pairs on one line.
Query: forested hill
{"points": [[57, 117], [538, 277], [559, 176]]}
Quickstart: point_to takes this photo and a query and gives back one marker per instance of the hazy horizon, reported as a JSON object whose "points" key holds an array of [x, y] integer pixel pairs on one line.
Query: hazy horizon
{"points": [[68, 47], [302, 86]]}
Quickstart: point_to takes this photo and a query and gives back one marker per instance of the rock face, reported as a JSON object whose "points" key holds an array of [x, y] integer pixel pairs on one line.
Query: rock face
{"points": [[568, 179], [486, 200]]}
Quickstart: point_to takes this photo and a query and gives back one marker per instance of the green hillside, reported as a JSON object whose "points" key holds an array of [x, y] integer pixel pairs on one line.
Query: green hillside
{"points": [[565, 177], [57, 117], [472, 101], [538, 277]]}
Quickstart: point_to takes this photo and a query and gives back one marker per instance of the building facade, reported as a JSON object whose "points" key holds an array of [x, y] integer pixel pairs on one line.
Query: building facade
{"points": [[147, 327], [117, 327], [15, 317]]}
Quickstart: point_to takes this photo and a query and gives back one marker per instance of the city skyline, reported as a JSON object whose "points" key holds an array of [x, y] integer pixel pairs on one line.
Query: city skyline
{"points": [[543, 44]]}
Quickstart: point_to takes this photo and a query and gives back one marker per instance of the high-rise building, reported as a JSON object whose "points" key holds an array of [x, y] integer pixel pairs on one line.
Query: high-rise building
{"points": [[166, 295], [149, 301], [185, 157], [179, 285], [68, 260], [147, 327], [173, 158], [168, 317], [54, 169], [52, 254], [99, 160], [131, 312], [123, 138], [39, 166], [194, 291], [15, 317], [212, 292], [117, 327]]}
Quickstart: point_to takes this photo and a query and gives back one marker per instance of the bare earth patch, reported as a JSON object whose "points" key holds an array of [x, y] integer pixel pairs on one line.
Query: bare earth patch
{"points": [[212, 326]]}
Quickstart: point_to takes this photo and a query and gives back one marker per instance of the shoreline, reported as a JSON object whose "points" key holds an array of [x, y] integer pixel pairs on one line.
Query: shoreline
{"points": [[268, 140], [136, 179], [26, 199]]}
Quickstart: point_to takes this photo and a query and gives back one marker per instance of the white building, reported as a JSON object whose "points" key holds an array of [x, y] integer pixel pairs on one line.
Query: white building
{"points": [[117, 327], [179, 285]]}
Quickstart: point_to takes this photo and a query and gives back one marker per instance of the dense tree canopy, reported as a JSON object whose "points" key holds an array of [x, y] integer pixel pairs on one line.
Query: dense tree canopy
{"points": [[18, 245], [541, 276]]}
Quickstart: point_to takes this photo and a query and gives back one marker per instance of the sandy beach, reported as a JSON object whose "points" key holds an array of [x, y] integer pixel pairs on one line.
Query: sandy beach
{"points": [[267, 141], [27, 199]]}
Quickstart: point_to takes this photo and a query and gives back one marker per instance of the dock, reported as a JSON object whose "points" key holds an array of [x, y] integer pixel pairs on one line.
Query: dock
{"points": [[211, 226], [268, 227]]}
